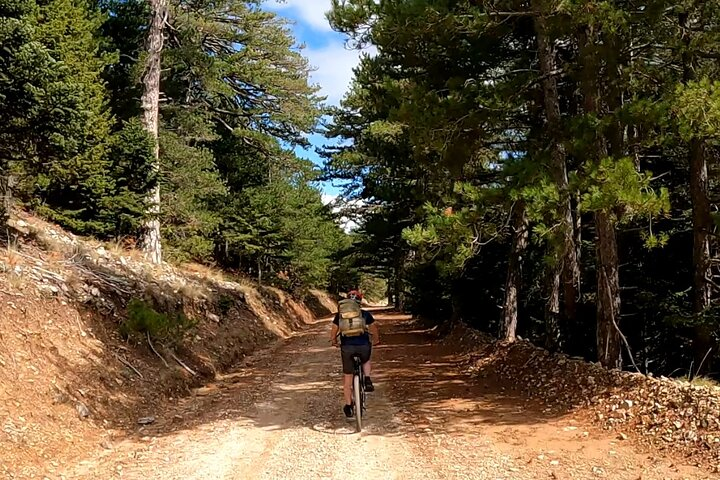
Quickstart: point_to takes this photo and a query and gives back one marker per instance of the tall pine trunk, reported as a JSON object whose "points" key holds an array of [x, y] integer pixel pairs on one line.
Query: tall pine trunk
{"points": [[552, 308], [703, 342], [150, 103], [514, 275], [399, 284], [608, 339], [568, 263], [608, 292], [702, 226]]}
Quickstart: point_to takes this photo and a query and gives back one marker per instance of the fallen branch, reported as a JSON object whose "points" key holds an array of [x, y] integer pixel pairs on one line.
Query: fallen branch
{"points": [[180, 362], [617, 328], [127, 364], [697, 372], [109, 280], [532, 356], [79, 323], [48, 273], [155, 351]]}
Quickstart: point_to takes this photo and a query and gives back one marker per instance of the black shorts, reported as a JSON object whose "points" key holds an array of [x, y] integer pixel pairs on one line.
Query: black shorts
{"points": [[348, 351]]}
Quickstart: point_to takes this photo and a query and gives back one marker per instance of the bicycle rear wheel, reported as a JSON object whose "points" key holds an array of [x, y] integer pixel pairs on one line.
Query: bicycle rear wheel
{"points": [[357, 398]]}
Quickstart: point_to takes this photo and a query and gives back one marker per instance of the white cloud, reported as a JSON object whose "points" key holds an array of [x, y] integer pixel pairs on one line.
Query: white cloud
{"points": [[333, 66], [310, 12], [332, 62]]}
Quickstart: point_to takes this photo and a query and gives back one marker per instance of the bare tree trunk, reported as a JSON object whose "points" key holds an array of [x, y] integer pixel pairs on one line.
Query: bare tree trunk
{"points": [[399, 282], [399, 291], [150, 103], [702, 226], [514, 276], [568, 258], [578, 235], [6, 200], [608, 293], [703, 341], [702, 221], [608, 278], [552, 308]]}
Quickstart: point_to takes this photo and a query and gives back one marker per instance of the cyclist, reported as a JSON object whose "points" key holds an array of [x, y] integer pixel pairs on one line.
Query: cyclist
{"points": [[355, 345]]}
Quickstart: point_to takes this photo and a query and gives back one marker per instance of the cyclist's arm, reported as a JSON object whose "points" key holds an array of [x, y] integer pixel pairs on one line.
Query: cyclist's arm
{"points": [[374, 333], [334, 334]]}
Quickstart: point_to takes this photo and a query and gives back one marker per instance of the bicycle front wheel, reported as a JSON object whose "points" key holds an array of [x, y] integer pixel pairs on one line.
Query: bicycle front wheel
{"points": [[357, 398]]}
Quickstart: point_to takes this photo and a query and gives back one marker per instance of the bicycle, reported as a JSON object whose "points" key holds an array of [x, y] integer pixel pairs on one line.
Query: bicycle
{"points": [[358, 392]]}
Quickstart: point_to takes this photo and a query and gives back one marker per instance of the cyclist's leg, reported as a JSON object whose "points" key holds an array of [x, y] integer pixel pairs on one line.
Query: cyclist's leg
{"points": [[346, 353], [365, 354], [347, 388]]}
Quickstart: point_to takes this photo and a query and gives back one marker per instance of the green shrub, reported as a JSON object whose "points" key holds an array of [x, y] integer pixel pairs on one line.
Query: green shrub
{"points": [[225, 304], [144, 320]]}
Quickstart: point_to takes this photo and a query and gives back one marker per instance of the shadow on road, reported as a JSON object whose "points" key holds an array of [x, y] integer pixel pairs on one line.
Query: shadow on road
{"points": [[421, 387]]}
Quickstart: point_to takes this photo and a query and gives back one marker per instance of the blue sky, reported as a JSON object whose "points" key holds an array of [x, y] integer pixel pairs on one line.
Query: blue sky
{"points": [[326, 52]]}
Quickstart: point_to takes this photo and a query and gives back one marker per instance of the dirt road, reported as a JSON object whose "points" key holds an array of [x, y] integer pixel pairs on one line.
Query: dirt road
{"points": [[278, 417]]}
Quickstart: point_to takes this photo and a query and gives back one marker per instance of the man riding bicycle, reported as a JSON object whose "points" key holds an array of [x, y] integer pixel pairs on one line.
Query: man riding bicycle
{"points": [[355, 339]]}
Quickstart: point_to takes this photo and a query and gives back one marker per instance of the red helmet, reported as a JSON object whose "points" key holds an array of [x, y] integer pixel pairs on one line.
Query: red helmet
{"points": [[355, 295]]}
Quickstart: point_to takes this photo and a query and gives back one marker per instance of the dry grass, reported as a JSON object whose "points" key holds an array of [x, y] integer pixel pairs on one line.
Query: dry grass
{"points": [[73, 280], [11, 256], [124, 247], [9, 263], [700, 382], [15, 281], [48, 243], [204, 271], [192, 290]]}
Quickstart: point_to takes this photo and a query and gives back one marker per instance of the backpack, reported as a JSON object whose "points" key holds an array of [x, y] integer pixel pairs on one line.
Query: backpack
{"points": [[351, 321]]}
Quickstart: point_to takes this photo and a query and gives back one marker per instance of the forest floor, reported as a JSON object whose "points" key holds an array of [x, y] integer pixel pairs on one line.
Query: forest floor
{"points": [[277, 415]]}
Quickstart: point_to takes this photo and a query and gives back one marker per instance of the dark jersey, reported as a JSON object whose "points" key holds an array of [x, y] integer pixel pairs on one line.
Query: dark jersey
{"points": [[363, 339]]}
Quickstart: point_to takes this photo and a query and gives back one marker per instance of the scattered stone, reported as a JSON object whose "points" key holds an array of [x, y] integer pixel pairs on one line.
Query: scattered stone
{"points": [[82, 410], [48, 289], [146, 420], [60, 398], [657, 411]]}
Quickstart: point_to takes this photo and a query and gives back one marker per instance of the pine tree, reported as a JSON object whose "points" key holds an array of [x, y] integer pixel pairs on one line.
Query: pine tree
{"points": [[465, 81], [43, 108], [69, 188], [192, 190]]}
